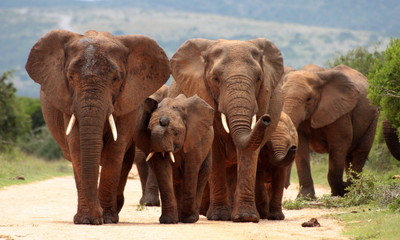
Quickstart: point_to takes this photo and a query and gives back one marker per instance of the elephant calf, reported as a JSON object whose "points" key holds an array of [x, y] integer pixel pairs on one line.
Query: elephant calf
{"points": [[181, 135], [275, 161]]}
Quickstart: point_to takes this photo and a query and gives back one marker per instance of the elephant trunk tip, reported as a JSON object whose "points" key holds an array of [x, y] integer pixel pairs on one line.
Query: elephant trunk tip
{"points": [[266, 119]]}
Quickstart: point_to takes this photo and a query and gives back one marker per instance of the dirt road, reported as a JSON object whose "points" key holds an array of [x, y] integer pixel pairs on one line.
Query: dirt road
{"points": [[44, 210]]}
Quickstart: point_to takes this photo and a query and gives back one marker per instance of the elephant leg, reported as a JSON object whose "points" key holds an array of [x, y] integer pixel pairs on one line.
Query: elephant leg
{"points": [[189, 212], [148, 180], [205, 200], [126, 168], [302, 161], [219, 208], [112, 159], [261, 195], [244, 206], [204, 173], [359, 155], [277, 186], [164, 173]]}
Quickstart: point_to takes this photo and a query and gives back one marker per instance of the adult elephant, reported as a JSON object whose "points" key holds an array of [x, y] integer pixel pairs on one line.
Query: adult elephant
{"points": [[332, 114], [92, 86], [391, 138], [241, 81]]}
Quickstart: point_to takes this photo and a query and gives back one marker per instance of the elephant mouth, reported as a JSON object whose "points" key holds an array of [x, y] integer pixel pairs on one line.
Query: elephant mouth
{"points": [[162, 155]]}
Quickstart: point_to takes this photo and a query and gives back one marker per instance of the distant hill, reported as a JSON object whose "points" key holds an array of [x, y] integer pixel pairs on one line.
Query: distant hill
{"points": [[368, 15], [173, 22]]}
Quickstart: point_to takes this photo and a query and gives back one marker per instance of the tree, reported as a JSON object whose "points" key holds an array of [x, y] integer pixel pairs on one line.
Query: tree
{"points": [[359, 58], [384, 79]]}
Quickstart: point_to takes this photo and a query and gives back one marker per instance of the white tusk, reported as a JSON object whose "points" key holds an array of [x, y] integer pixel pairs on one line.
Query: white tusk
{"points": [[171, 155], [224, 123], [149, 156], [253, 121], [113, 127], [70, 124]]}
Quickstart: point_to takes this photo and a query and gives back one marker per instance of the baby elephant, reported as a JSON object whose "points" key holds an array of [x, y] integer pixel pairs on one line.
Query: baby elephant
{"points": [[275, 161], [182, 133]]}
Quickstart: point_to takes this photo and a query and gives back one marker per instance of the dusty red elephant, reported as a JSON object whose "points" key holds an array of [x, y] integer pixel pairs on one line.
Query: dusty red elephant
{"points": [[332, 114], [241, 81], [92, 90]]}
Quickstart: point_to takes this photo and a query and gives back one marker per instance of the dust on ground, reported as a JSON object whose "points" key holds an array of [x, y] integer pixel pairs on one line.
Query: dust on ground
{"points": [[44, 210]]}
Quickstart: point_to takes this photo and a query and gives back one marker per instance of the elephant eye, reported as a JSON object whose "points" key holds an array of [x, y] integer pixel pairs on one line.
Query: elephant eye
{"points": [[216, 79], [115, 79], [308, 99]]}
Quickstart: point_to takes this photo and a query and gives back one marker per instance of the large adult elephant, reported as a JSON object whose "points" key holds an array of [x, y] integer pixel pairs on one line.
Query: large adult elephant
{"points": [[241, 81], [332, 114], [391, 138], [92, 87]]}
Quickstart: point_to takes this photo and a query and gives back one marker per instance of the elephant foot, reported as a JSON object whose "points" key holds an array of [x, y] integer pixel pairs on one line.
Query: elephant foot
{"points": [[245, 213], [307, 193], [86, 218], [168, 219], [192, 218], [151, 201], [276, 215], [219, 213], [340, 190], [110, 217]]}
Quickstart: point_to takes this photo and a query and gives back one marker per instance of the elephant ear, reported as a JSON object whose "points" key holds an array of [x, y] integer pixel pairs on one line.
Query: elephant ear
{"points": [[45, 65], [188, 67], [339, 96], [273, 69], [147, 70], [199, 120]]}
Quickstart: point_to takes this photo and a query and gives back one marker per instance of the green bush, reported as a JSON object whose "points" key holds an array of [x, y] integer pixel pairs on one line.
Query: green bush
{"points": [[360, 58], [385, 83], [41, 144]]}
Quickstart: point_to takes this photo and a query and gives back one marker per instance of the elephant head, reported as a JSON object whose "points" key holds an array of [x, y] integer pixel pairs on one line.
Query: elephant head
{"points": [[320, 97], [179, 123], [95, 78], [283, 143], [237, 79]]}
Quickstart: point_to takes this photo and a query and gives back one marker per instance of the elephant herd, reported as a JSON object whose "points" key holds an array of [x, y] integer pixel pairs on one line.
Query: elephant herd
{"points": [[220, 140]]}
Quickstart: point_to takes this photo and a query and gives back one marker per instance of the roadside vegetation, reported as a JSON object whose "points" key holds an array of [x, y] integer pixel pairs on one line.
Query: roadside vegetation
{"points": [[27, 150], [371, 208]]}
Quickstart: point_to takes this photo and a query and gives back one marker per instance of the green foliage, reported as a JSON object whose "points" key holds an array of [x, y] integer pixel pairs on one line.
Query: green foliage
{"points": [[17, 168], [384, 78], [359, 58], [363, 224], [41, 144], [13, 121], [366, 188], [296, 204]]}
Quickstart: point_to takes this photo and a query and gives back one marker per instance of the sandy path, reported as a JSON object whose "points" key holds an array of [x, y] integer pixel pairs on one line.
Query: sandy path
{"points": [[44, 210]]}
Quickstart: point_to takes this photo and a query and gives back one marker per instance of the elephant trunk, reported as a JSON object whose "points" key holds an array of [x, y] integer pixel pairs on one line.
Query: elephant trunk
{"points": [[293, 110], [241, 109], [391, 139], [91, 117], [283, 157]]}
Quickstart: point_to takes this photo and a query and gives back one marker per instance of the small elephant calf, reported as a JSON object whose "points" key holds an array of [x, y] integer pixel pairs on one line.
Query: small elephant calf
{"points": [[275, 161], [181, 135]]}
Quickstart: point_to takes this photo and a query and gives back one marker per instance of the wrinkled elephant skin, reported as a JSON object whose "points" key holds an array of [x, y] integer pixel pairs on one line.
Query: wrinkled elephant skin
{"points": [[333, 115], [241, 81], [92, 87]]}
